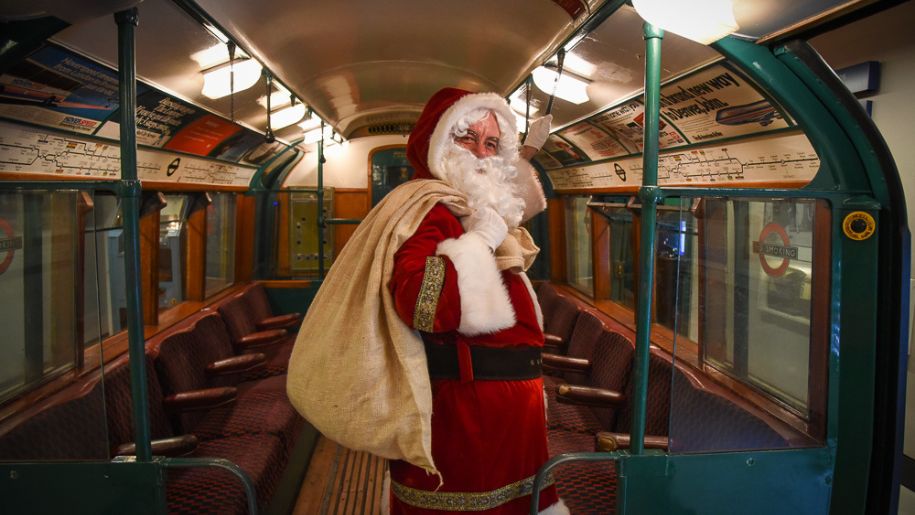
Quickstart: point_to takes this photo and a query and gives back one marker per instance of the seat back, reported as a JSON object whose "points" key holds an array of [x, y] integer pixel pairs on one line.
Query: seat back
{"points": [[587, 331], [238, 317], [657, 417], [69, 427], [119, 403], [611, 365], [256, 296], [560, 319]]}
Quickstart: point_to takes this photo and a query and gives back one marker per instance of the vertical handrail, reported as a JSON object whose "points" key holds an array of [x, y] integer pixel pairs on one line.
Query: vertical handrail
{"points": [[649, 194], [130, 192], [320, 207]]}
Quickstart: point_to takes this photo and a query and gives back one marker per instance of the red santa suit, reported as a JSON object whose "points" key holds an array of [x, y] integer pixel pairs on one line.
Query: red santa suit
{"points": [[489, 433]]}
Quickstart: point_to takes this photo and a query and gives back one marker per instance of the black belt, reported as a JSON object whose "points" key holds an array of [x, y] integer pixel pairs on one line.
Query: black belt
{"points": [[488, 363]]}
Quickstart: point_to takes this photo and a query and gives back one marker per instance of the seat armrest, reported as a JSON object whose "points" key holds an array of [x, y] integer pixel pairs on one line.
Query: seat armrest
{"points": [[287, 321], [566, 363], [589, 396], [606, 441], [204, 399], [261, 338], [552, 339], [172, 447], [237, 364]]}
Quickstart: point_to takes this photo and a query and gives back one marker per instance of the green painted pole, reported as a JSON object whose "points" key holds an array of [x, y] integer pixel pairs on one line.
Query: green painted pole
{"points": [[320, 206], [649, 194], [130, 194]]}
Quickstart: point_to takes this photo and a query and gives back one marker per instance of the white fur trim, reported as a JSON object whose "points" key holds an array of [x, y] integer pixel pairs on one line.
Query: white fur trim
{"points": [[559, 508], [529, 189], [530, 290], [441, 136], [485, 304]]}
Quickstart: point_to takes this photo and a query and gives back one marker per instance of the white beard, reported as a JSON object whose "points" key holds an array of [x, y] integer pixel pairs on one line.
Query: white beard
{"points": [[487, 182]]}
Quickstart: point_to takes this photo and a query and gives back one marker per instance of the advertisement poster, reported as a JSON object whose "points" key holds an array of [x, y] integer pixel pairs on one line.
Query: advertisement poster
{"points": [[159, 116], [546, 161], [625, 123], [562, 151], [202, 135], [596, 143], [239, 145], [717, 103], [57, 88]]}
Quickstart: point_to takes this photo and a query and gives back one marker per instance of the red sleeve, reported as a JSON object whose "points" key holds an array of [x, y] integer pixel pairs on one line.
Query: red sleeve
{"points": [[410, 271]]}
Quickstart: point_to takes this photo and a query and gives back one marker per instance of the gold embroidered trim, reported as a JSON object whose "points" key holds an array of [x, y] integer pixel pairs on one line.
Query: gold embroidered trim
{"points": [[465, 501], [427, 301]]}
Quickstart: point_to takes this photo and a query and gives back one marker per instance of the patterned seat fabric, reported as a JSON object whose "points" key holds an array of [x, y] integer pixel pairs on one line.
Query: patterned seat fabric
{"points": [[561, 317], [73, 429], [260, 406], [261, 455], [212, 333], [213, 490], [587, 331], [240, 322], [585, 487]]}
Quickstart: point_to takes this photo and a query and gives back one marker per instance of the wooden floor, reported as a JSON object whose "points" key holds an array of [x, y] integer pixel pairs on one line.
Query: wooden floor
{"points": [[341, 482]]}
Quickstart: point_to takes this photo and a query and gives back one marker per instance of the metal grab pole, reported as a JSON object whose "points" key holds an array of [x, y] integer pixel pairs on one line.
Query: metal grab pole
{"points": [[649, 194], [130, 193], [320, 207]]}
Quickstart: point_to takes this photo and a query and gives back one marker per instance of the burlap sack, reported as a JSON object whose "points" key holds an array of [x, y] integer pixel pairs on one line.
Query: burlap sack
{"points": [[357, 372]]}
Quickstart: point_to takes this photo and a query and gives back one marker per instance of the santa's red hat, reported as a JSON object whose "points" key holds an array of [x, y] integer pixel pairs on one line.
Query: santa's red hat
{"points": [[429, 140]]}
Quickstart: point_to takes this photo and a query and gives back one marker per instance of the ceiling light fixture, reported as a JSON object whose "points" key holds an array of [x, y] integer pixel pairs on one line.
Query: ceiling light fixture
{"points": [[579, 66], [312, 122], [217, 82], [702, 21], [314, 135], [568, 88], [287, 116]]}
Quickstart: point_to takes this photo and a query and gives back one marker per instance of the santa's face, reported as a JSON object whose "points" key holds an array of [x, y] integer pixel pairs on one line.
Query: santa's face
{"points": [[472, 164], [482, 137]]}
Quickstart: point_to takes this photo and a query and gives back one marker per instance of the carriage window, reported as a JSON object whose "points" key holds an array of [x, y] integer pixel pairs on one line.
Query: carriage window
{"points": [[220, 238], [578, 244], [676, 272], [757, 271], [105, 301], [172, 250], [39, 242]]}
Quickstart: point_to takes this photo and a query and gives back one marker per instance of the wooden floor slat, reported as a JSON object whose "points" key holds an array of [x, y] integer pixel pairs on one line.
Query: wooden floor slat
{"points": [[341, 482]]}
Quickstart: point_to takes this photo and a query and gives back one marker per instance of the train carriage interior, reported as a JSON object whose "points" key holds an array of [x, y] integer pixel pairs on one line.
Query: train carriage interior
{"points": [[724, 267]]}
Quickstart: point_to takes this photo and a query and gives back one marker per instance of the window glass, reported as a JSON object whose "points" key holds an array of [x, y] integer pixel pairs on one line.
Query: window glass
{"points": [[105, 293], [758, 258], [578, 244], [39, 244], [220, 265], [676, 272], [172, 250]]}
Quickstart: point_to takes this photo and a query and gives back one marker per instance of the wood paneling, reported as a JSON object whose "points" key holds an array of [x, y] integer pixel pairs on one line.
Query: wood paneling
{"points": [[818, 380], [348, 203], [196, 257], [244, 238], [556, 230], [149, 264], [600, 255], [65, 236]]}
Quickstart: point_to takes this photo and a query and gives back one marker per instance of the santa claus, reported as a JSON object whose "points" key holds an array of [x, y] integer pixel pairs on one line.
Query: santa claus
{"points": [[459, 280], [423, 343]]}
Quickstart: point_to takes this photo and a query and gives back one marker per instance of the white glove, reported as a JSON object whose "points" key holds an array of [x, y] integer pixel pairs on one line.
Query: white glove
{"points": [[488, 225], [538, 132]]}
